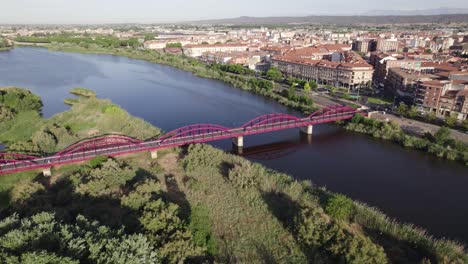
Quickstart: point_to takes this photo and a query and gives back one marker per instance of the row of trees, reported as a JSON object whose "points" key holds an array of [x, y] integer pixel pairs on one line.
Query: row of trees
{"points": [[431, 117], [103, 41]]}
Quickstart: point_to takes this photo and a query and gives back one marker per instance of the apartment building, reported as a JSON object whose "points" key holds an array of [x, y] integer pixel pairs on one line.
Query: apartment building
{"points": [[404, 82], [365, 45], [445, 97], [342, 74], [198, 50], [386, 45]]}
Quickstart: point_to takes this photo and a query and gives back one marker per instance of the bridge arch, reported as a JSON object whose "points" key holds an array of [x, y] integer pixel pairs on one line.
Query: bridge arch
{"points": [[269, 119], [192, 130], [101, 142]]}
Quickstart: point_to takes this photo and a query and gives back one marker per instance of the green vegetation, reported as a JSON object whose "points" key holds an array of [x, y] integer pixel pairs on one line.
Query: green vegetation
{"points": [[197, 204], [26, 131], [85, 42], [4, 44], [274, 74], [431, 117], [440, 144], [71, 101], [249, 200], [339, 207], [380, 101], [80, 91], [174, 45]]}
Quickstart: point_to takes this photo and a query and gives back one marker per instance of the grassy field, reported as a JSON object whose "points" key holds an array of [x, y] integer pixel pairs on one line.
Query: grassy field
{"points": [[381, 101]]}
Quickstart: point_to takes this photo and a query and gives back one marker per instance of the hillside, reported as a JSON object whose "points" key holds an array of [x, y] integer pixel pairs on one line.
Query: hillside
{"points": [[341, 20]]}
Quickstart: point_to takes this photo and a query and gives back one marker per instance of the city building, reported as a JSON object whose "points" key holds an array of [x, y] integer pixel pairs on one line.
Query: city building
{"points": [[445, 98], [341, 74], [198, 50], [386, 45], [365, 45]]}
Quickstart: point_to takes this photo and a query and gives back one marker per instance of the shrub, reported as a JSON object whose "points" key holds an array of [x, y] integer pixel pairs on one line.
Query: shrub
{"points": [[97, 161], [113, 110], [339, 207], [201, 228], [22, 192], [243, 175]]}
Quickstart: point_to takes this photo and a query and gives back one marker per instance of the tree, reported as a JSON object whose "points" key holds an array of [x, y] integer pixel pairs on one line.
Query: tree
{"points": [[402, 109], [465, 124], [274, 74], [313, 85], [442, 135], [451, 120], [431, 116], [292, 92], [339, 207], [307, 87], [413, 112]]}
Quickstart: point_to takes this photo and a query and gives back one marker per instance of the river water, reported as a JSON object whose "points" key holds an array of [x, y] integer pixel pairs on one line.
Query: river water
{"points": [[406, 184]]}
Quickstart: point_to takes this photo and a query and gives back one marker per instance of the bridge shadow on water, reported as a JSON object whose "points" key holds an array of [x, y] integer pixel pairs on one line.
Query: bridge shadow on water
{"points": [[281, 149]]}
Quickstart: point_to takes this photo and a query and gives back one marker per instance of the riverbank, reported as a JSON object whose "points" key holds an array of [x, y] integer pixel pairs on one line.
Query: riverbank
{"points": [[250, 206], [248, 83], [6, 49], [439, 144], [191, 65]]}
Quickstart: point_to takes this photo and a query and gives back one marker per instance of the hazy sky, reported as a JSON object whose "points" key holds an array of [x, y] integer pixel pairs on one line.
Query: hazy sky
{"points": [[148, 11]]}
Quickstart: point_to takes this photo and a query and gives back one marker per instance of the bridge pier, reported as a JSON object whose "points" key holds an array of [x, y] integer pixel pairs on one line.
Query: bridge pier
{"points": [[47, 172], [154, 154], [307, 130], [238, 150], [238, 141]]}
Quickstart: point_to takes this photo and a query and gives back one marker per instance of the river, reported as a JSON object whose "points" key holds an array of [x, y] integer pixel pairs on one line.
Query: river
{"points": [[406, 184]]}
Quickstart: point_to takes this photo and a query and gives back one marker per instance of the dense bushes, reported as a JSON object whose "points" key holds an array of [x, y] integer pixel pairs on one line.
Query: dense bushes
{"points": [[339, 207], [19, 100], [234, 68], [318, 235], [41, 238], [119, 196]]}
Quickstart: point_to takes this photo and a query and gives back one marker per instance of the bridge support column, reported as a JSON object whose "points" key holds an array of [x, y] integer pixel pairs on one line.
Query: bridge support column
{"points": [[154, 154], [238, 150], [47, 172], [307, 130], [238, 141]]}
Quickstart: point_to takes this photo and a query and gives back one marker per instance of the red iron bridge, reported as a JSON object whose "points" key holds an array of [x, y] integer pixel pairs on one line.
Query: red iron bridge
{"points": [[116, 145]]}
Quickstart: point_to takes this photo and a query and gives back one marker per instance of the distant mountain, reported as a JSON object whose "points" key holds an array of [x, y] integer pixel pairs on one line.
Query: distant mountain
{"points": [[340, 20], [422, 12]]}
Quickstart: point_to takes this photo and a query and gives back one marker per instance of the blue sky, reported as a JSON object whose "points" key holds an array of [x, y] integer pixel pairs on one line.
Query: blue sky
{"points": [[148, 11]]}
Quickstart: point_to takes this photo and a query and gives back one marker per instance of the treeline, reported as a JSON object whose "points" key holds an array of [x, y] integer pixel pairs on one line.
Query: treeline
{"points": [[440, 144], [103, 41], [431, 117]]}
